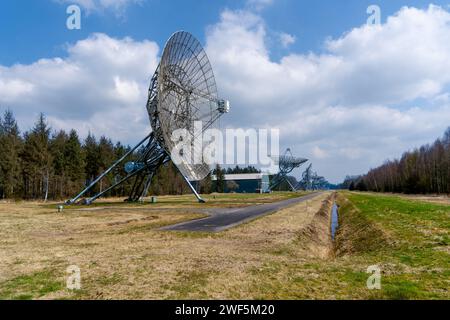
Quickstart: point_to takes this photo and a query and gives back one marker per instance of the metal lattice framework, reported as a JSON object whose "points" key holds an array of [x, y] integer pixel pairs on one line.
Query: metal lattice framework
{"points": [[182, 103], [305, 182], [187, 94], [318, 182], [311, 180], [287, 163]]}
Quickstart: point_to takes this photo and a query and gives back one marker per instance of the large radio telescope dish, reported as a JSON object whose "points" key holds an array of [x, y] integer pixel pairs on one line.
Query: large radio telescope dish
{"points": [[182, 96], [186, 94]]}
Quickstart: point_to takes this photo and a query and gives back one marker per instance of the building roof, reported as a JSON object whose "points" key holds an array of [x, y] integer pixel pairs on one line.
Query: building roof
{"points": [[242, 176]]}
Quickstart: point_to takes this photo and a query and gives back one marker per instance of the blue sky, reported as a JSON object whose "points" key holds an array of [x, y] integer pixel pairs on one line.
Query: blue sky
{"points": [[30, 30], [345, 95]]}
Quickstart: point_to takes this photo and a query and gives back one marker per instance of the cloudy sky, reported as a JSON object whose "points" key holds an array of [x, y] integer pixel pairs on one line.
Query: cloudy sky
{"points": [[344, 94]]}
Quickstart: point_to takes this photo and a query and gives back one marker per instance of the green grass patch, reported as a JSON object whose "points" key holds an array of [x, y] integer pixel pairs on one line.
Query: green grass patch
{"points": [[190, 285], [33, 286], [407, 239]]}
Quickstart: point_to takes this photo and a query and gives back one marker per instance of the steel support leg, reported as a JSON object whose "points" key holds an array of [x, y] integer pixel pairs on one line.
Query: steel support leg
{"points": [[193, 190], [72, 201]]}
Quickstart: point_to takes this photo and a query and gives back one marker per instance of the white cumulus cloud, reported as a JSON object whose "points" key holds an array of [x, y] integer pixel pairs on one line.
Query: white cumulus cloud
{"points": [[375, 91], [319, 153], [286, 39], [100, 87]]}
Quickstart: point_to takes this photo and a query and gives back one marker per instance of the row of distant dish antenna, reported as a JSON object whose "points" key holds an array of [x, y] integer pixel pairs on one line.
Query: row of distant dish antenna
{"points": [[287, 163], [182, 92], [311, 180]]}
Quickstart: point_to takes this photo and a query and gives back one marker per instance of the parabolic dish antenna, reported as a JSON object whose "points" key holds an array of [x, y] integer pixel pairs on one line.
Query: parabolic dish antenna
{"points": [[306, 182], [182, 104], [286, 163], [187, 94]]}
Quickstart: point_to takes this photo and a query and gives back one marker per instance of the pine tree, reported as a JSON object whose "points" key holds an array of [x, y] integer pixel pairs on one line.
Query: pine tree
{"points": [[74, 157], [220, 179], [37, 160], [351, 186], [59, 164], [91, 165], [206, 185], [105, 152], [10, 147], [2, 177], [119, 172]]}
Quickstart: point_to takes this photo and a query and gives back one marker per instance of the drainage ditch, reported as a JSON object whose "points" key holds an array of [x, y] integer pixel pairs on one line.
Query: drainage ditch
{"points": [[334, 220]]}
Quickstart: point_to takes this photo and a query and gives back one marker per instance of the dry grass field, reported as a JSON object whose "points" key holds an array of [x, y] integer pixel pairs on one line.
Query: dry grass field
{"points": [[431, 199], [122, 254], [289, 254]]}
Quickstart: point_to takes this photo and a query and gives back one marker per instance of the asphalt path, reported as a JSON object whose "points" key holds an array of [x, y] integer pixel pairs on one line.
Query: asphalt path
{"points": [[222, 219]]}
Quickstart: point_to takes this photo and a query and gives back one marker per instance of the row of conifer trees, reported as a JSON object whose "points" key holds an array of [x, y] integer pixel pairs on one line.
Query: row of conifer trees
{"points": [[45, 164]]}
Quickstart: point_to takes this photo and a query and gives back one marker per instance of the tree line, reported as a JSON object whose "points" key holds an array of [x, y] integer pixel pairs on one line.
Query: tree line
{"points": [[420, 171], [56, 165]]}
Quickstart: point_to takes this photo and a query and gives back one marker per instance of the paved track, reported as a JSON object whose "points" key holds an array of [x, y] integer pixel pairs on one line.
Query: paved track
{"points": [[223, 219]]}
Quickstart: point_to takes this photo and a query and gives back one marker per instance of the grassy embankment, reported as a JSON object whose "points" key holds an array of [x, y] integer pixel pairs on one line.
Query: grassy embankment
{"points": [[408, 239]]}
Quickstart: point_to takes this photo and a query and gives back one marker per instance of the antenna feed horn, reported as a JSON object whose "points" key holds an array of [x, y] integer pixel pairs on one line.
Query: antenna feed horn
{"points": [[223, 106]]}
